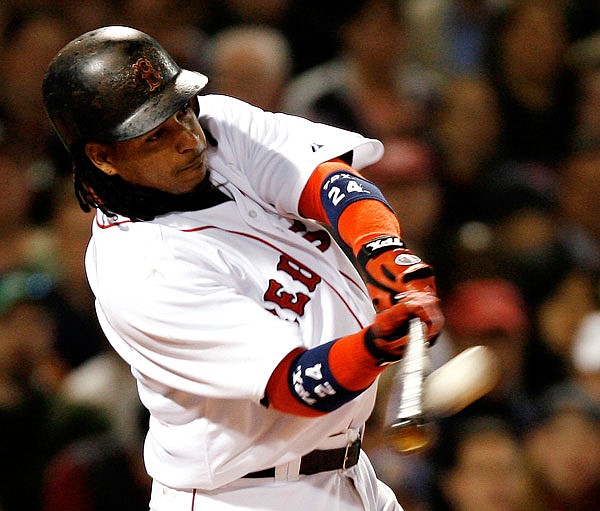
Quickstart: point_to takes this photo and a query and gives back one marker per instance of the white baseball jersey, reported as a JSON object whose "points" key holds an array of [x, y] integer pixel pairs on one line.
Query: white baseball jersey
{"points": [[204, 304]]}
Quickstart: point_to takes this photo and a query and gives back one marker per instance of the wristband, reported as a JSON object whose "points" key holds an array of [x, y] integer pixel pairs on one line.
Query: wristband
{"points": [[312, 383], [377, 246], [382, 357]]}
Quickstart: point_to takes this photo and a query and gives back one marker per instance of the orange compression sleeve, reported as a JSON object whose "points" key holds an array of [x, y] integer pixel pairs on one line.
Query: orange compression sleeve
{"points": [[345, 370], [359, 221]]}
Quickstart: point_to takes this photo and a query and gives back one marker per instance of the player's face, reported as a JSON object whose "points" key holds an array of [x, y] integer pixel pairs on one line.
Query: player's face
{"points": [[171, 157]]}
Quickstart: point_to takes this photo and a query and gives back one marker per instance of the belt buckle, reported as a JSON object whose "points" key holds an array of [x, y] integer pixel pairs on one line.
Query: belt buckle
{"points": [[349, 446]]}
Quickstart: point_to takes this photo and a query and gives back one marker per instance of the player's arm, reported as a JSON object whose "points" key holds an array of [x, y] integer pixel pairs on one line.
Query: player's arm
{"points": [[355, 208], [317, 381]]}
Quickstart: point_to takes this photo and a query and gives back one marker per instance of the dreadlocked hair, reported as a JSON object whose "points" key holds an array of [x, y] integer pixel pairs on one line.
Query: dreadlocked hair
{"points": [[90, 182], [114, 196]]}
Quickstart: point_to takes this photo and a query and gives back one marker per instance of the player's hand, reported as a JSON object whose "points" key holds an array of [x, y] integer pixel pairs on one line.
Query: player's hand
{"points": [[387, 337], [391, 269]]}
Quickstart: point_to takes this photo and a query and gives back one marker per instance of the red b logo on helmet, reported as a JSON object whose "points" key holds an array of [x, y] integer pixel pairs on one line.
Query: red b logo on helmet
{"points": [[144, 69]]}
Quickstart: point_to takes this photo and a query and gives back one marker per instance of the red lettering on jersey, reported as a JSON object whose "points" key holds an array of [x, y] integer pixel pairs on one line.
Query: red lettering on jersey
{"points": [[285, 300], [297, 226], [321, 237], [298, 272]]}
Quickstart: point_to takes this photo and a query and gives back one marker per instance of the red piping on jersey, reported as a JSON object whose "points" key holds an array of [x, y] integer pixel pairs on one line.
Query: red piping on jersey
{"points": [[197, 229]]}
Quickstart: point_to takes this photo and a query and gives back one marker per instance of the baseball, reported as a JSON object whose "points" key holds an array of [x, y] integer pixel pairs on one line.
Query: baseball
{"points": [[459, 382]]}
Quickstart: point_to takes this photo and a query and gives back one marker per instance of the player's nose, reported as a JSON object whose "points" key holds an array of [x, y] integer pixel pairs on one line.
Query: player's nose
{"points": [[186, 139]]}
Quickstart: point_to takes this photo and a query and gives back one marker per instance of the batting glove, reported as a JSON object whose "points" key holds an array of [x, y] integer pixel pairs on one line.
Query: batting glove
{"points": [[391, 269], [387, 337]]}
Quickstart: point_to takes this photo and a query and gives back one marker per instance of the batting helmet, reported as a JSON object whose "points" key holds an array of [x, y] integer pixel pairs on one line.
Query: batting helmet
{"points": [[114, 83]]}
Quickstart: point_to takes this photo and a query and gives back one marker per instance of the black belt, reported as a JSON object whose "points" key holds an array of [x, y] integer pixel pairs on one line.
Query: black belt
{"points": [[321, 461]]}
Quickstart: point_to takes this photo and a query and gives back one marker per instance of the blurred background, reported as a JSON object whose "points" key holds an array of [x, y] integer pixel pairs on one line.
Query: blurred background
{"points": [[490, 114]]}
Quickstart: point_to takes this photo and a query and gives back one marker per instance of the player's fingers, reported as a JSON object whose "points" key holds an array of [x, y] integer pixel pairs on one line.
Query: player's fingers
{"points": [[426, 306], [393, 322], [433, 318]]}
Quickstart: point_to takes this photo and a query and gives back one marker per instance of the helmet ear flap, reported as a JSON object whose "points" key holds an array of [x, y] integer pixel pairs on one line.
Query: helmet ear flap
{"points": [[114, 83]]}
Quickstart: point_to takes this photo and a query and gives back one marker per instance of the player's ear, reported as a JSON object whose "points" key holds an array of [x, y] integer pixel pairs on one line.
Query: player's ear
{"points": [[99, 155]]}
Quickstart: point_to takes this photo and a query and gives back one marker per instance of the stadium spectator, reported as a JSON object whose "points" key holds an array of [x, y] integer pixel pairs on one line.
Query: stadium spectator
{"points": [[252, 63]]}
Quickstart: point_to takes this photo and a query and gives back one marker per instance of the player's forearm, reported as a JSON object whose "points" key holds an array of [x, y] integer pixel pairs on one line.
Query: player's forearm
{"points": [[314, 382], [338, 196]]}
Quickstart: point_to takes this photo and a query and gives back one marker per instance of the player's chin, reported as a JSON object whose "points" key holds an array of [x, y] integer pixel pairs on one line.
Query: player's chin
{"points": [[188, 178]]}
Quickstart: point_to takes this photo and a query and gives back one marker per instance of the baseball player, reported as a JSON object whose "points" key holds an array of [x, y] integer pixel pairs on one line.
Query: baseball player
{"points": [[252, 337]]}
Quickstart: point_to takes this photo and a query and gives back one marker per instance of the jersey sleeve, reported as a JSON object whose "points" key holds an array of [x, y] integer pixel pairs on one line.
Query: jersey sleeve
{"points": [[188, 325], [270, 156]]}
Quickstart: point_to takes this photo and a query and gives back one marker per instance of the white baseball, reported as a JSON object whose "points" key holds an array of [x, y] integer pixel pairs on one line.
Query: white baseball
{"points": [[459, 382]]}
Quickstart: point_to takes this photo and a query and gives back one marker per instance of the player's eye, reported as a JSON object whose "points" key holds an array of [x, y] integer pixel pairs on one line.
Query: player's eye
{"points": [[154, 136], [185, 110]]}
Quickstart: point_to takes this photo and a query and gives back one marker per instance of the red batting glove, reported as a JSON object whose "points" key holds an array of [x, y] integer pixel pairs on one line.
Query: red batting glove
{"points": [[401, 286], [391, 269], [387, 337]]}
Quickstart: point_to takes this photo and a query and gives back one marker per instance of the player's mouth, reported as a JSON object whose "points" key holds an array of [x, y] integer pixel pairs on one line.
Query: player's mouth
{"points": [[197, 164]]}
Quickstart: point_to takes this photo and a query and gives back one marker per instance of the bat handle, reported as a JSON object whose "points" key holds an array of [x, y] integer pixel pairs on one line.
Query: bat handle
{"points": [[410, 431]]}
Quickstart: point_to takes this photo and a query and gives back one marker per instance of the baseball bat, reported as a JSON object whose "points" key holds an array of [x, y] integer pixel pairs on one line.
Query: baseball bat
{"points": [[424, 398], [410, 430]]}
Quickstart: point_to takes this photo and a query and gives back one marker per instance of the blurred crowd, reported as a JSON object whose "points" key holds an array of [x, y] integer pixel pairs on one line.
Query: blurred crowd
{"points": [[490, 114]]}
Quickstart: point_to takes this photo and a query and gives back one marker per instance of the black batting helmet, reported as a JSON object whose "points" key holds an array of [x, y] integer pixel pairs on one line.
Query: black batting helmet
{"points": [[114, 83]]}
